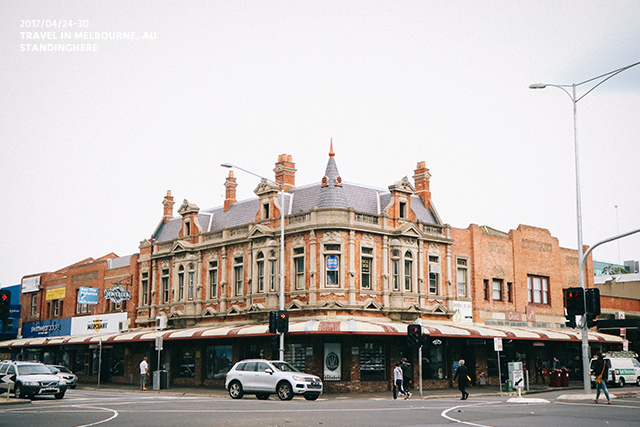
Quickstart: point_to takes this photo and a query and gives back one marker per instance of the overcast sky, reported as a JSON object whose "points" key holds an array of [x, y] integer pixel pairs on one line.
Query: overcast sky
{"points": [[91, 141]]}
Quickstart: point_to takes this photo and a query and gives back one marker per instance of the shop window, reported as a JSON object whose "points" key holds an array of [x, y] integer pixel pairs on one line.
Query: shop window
{"points": [[117, 370], [372, 362], [187, 366], [82, 363], [296, 354], [433, 366], [217, 361]]}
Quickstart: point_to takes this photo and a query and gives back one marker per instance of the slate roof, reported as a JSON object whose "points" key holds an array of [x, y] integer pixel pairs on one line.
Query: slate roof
{"points": [[362, 199]]}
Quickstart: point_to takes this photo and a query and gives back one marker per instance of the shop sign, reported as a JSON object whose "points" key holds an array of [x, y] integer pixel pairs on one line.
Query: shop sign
{"points": [[30, 284], [463, 311], [46, 328], [104, 323], [117, 294], [88, 295], [55, 293], [332, 362]]}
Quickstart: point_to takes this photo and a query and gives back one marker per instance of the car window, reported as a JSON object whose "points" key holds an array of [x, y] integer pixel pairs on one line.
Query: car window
{"points": [[34, 369], [262, 366], [636, 364], [3, 369], [11, 370], [241, 367], [63, 369], [284, 367], [252, 366]]}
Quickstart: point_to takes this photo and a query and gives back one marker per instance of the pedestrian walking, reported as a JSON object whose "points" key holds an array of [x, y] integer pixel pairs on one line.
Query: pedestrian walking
{"points": [[144, 373], [600, 369], [539, 370], [397, 383], [407, 374], [462, 375]]}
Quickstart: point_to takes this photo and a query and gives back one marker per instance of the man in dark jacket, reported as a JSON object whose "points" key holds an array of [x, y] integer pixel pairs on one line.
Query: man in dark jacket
{"points": [[407, 374], [462, 375], [600, 367]]}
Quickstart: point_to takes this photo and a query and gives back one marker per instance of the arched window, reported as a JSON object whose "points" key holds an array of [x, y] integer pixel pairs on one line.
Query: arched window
{"points": [[395, 270], [180, 283], [191, 290]]}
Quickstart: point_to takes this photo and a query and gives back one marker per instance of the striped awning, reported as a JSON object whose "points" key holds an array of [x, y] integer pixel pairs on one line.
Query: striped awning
{"points": [[322, 327]]}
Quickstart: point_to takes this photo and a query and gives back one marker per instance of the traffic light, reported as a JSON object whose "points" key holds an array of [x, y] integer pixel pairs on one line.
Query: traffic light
{"points": [[574, 305], [273, 322], [283, 321], [414, 336], [5, 309], [593, 305]]}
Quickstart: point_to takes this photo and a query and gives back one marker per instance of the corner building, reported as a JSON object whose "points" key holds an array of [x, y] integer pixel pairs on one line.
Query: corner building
{"points": [[360, 264]]}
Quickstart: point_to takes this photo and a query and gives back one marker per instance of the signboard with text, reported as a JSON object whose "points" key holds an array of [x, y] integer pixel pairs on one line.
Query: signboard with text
{"points": [[88, 295]]}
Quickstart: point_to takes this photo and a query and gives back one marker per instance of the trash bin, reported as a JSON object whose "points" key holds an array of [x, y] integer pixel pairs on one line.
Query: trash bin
{"points": [[160, 380], [555, 379], [564, 378], [508, 386]]}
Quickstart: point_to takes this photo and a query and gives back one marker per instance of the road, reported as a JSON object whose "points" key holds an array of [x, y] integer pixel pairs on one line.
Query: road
{"points": [[117, 408]]}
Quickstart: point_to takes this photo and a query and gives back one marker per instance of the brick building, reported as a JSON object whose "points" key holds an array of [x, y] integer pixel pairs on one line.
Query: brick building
{"points": [[360, 264]]}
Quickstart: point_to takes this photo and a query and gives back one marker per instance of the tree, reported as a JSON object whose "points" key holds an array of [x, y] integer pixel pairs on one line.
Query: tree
{"points": [[611, 270]]}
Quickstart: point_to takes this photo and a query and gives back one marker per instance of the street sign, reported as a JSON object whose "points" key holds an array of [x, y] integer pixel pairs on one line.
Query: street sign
{"points": [[159, 343], [497, 344], [8, 379]]}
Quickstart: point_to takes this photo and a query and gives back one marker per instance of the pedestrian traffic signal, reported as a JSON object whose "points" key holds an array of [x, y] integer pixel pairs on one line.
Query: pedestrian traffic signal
{"points": [[414, 336], [273, 322], [574, 301], [283, 321], [593, 305]]}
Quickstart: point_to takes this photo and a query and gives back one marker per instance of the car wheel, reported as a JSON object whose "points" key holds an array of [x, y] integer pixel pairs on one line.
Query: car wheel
{"points": [[17, 391], [621, 382], [313, 396], [284, 391], [262, 396], [59, 395], [235, 390], [638, 381]]}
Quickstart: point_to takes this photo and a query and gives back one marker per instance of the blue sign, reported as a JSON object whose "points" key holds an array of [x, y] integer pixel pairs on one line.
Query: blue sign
{"points": [[47, 328], [332, 262], [88, 295]]}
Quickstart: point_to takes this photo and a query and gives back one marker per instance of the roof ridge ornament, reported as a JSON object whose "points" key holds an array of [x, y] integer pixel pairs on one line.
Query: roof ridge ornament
{"points": [[331, 153]]}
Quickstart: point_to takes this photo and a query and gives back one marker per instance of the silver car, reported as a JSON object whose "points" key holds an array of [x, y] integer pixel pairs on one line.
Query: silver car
{"points": [[265, 377], [70, 378], [29, 379]]}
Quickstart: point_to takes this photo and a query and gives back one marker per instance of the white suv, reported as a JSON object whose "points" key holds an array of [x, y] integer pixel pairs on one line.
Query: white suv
{"points": [[265, 377]]}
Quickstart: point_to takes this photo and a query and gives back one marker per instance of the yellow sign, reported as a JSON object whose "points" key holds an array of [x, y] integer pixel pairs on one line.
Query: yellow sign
{"points": [[55, 293]]}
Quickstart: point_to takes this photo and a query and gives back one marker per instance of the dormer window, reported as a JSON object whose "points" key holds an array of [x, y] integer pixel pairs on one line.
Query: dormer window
{"points": [[187, 228], [403, 210], [265, 210]]}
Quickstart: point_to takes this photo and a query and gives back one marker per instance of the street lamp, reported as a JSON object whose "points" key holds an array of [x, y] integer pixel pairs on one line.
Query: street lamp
{"points": [[574, 100], [281, 185]]}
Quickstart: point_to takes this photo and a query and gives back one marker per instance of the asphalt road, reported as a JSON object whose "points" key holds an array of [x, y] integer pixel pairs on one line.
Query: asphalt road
{"points": [[117, 408]]}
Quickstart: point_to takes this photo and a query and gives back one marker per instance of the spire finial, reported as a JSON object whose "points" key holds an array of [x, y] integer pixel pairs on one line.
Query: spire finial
{"points": [[331, 153]]}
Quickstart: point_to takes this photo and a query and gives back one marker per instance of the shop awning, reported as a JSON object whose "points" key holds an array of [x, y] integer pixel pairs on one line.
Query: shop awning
{"points": [[322, 327]]}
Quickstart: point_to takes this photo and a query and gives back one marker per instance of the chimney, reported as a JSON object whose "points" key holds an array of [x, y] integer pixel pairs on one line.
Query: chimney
{"points": [[421, 179], [168, 207], [230, 193], [285, 171]]}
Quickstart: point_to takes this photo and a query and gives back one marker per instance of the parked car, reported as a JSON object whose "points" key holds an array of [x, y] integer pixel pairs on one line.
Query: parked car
{"points": [[623, 370], [31, 379], [265, 377], [70, 378]]}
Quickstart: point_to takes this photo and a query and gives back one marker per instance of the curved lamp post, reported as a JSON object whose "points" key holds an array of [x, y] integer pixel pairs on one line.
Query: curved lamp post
{"points": [[574, 100], [230, 166]]}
